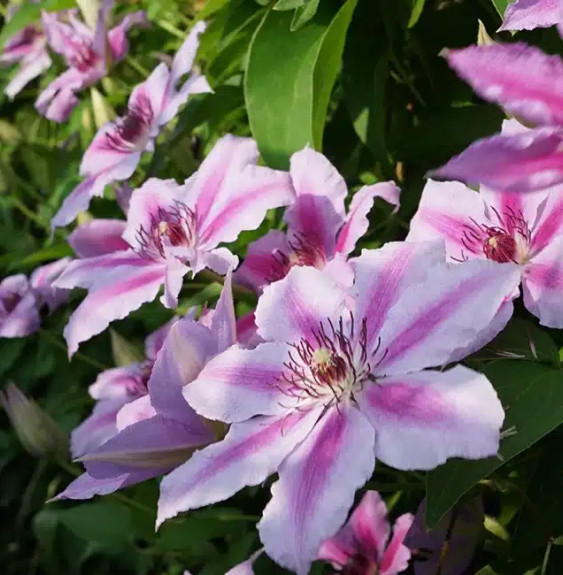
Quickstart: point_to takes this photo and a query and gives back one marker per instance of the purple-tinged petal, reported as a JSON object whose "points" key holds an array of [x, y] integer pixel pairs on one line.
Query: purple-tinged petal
{"points": [[97, 238], [223, 323], [549, 224], [173, 281], [264, 261], [137, 410], [117, 36], [247, 332], [42, 280], [397, 555], [446, 312], [294, 307], [531, 14], [447, 211], [186, 348], [195, 84], [159, 443], [219, 260], [241, 383], [19, 313], [522, 162], [185, 56], [242, 203], [316, 488], [383, 275], [97, 428], [543, 285], [85, 486], [33, 65], [123, 291], [523, 79], [250, 452], [118, 383], [58, 106], [357, 222], [424, 418], [246, 567], [155, 340]]}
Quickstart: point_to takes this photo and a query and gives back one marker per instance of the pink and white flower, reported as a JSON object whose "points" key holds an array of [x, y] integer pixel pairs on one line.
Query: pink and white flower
{"points": [[320, 232], [117, 147], [363, 546], [335, 387], [528, 84], [87, 53], [174, 229], [158, 430], [531, 14], [28, 47], [526, 229], [42, 280]]}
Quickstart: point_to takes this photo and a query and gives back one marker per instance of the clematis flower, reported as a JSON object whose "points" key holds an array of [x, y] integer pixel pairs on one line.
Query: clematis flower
{"points": [[174, 229], [114, 389], [527, 83], [333, 388], [42, 280], [28, 47], [160, 430], [362, 546], [501, 227], [531, 14], [320, 233], [87, 53], [117, 147], [19, 309]]}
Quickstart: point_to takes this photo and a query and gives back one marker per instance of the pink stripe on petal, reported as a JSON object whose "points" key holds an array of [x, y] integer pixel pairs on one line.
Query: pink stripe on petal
{"points": [[550, 224], [397, 555], [98, 237], [422, 419], [250, 452], [370, 525], [316, 488]]}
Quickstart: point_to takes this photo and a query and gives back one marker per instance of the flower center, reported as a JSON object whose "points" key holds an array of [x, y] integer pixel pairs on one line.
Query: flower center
{"points": [[10, 301], [360, 565], [139, 382], [331, 365], [171, 228], [304, 252], [500, 246], [132, 132], [83, 57]]}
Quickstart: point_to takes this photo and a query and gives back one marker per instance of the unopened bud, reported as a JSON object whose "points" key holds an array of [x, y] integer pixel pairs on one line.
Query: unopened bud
{"points": [[483, 38], [38, 432]]}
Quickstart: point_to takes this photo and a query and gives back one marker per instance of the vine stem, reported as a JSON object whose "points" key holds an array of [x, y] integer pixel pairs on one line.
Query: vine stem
{"points": [[546, 556]]}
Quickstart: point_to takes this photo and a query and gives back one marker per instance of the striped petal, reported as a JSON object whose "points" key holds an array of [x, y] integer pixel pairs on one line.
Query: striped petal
{"points": [[98, 237]]}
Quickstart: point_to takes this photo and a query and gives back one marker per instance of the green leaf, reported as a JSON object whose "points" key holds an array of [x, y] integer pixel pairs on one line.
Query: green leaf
{"points": [[303, 14], [417, 8], [28, 14], [501, 5], [282, 5], [290, 77], [532, 396]]}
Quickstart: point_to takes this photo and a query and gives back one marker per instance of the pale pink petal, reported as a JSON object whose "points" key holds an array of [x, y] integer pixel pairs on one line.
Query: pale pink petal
{"points": [[159, 443], [146, 205], [383, 275], [19, 313], [241, 383], [86, 487], [97, 428], [185, 56], [530, 14], [316, 488], [118, 383], [42, 280], [98, 237], [246, 567], [520, 162], [117, 36], [337, 550], [185, 351], [250, 452], [134, 411], [264, 261], [369, 524], [225, 161], [341, 270], [543, 285], [125, 290], [223, 323], [33, 65], [357, 221], [220, 260], [397, 555], [424, 418], [448, 311], [149, 95], [242, 203], [448, 211], [549, 225], [247, 332], [294, 307], [522, 78], [195, 84], [173, 281]]}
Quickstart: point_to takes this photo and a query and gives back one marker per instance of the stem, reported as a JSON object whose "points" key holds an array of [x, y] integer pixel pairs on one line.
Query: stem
{"points": [[137, 66], [171, 29], [29, 214], [210, 277], [28, 493], [55, 341], [546, 556]]}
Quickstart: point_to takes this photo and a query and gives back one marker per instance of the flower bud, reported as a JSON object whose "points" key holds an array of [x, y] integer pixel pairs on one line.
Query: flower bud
{"points": [[37, 431]]}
